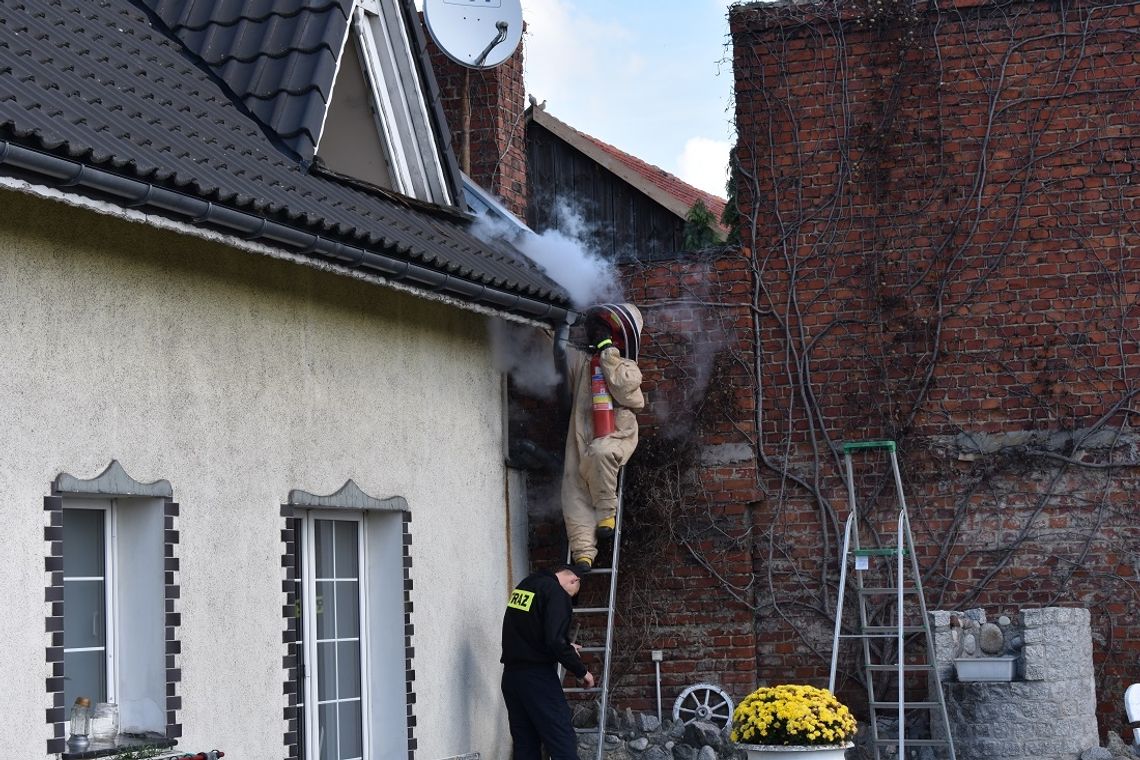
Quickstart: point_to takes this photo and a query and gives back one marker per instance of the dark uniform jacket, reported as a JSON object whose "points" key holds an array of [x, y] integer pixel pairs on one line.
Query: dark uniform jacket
{"points": [[536, 626]]}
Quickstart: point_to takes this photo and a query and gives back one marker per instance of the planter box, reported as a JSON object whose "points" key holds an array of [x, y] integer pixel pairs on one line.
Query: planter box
{"points": [[764, 752], [986, 668]]}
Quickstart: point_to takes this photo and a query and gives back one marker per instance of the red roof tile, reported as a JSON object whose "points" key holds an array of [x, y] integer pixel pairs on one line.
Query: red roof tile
{"points": [[670, 183], [665, 188]]}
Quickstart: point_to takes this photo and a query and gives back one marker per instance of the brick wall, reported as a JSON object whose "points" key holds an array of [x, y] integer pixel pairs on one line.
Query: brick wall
{"points": [[945, 224], [496, 102], [686, 578], [939, 226]]}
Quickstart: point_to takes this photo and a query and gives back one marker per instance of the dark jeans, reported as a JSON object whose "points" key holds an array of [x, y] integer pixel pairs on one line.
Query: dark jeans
{"points": [[539, 715]]}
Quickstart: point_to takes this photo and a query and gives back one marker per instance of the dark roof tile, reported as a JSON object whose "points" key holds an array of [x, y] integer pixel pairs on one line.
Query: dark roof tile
{"points": [[94, 82], [269, 53]]}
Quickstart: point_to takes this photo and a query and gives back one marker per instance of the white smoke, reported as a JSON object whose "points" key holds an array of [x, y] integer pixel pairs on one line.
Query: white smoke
{"points": [[527, 355], [563, 255], [703, 332]]}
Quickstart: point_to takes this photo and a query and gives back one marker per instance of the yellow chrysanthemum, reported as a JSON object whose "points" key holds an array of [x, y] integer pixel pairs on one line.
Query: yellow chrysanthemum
{"points": [[792, 714]]}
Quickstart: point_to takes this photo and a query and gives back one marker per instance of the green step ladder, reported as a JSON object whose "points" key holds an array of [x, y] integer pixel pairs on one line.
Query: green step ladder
{"points": [[897, 592]]}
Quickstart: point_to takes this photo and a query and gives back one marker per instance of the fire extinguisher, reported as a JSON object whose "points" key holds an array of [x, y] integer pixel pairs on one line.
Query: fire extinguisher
{"points": [[603, 402]]}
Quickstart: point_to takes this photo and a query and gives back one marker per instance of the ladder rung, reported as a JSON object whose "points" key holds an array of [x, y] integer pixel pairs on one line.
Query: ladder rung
{"points": [[591, 609], [886, 551], [854, 446], [869, 590], [890, 630], [582, 689], [909, 667], [592, 649], [906, 705], [594, 570]]}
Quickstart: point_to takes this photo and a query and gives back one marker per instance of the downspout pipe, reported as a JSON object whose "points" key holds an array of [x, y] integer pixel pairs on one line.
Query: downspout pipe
{"points": [[565, 392], [137, 194]]}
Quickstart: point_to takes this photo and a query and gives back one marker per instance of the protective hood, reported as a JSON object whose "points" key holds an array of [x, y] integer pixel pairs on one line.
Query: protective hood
{"points": [[624, 320]]}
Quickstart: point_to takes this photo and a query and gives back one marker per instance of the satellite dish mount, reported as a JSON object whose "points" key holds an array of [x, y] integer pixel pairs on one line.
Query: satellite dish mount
{"points": [[478, 34]]}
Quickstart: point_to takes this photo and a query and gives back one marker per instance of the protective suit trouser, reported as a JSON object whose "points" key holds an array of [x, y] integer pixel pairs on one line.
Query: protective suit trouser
{"points": [[591, 495], [538, 714]]}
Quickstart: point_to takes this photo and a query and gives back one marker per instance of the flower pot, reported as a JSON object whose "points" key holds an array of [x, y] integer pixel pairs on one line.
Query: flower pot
{"points": [[985, 668], [796, 752]]}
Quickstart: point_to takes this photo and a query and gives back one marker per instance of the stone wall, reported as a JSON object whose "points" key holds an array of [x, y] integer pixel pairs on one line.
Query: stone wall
{"points": [[1048, 712]]}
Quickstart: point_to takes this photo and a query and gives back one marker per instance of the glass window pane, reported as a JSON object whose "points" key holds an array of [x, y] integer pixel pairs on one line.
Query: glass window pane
{"points": [[346, 540], [327, 731], [348, 669], [84, 612], [326, 671], [347, 609], [324, 548], [83, 543], [351, 739], [326, 609], [85, 675]]}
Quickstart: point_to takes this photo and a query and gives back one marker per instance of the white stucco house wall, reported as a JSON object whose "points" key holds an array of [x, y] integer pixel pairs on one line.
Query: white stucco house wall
{"points": [[253, 484]]}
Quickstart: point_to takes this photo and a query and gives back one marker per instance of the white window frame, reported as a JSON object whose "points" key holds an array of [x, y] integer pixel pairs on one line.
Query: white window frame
{"points": [[308, 701], [135, 607], [400, 105], [110, 621]]}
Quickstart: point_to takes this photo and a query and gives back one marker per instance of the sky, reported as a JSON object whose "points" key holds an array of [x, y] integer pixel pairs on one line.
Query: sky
{"points": [[650, 77]]}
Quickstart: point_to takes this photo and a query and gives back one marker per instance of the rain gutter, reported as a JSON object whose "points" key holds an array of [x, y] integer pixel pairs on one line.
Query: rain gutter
{"points": [[136, 194]]}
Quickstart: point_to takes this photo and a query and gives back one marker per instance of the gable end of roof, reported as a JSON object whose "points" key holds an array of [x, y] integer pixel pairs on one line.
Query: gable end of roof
{"points": [[668, 190]]}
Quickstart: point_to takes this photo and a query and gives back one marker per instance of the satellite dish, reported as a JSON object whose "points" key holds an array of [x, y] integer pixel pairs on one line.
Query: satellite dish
{"points": [[479, 34]]}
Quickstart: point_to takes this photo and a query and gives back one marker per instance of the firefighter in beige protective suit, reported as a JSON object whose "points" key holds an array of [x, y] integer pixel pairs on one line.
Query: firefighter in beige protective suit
{"points": [[590, 475]]}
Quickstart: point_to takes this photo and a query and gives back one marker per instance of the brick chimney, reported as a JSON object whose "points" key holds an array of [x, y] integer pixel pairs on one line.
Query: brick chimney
{"points": [[497, 138]]}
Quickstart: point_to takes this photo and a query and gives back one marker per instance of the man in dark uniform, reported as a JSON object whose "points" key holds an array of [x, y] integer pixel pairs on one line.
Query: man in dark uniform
{"points": [[536, 636]]}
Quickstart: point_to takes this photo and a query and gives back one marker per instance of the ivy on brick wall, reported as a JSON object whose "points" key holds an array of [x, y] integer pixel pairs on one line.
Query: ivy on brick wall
{"points": [[939, 206], [937, 217]]}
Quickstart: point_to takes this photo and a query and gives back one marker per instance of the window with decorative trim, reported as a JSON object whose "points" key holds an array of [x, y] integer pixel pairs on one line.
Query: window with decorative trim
{"points": [[348, 612], [377, 126], [114, 627]]}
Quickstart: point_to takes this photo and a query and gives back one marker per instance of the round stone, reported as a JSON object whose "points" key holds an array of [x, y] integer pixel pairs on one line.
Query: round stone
{"points": [[991, 639], [969, 644]]}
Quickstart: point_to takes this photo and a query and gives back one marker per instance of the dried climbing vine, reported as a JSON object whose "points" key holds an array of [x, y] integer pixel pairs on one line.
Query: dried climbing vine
{"points": [[921, 156]]}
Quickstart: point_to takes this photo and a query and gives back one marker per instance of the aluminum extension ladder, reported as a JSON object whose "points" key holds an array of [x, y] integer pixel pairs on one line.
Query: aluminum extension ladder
{"points": [[896, 594], [602, 685]]}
